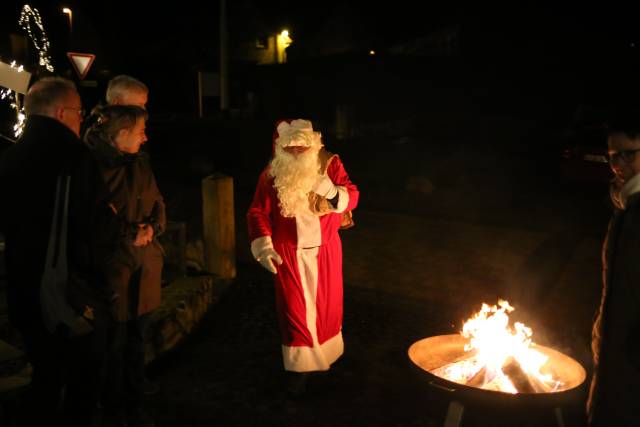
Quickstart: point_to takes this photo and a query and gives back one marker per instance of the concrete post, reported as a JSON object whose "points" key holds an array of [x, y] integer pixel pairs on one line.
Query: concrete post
{"points": [[219, 226]]}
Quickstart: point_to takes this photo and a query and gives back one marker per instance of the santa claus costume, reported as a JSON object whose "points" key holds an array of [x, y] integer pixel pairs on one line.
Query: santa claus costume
{"points": [[301, 201]]}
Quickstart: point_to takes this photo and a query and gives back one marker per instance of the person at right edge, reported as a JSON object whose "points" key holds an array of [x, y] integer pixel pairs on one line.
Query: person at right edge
{"points": [[136, 272], [614, 395]]}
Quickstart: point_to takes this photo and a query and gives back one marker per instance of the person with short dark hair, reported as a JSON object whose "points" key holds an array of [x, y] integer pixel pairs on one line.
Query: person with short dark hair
{"points": [[614, 391], [136, 270], [49, 147]]}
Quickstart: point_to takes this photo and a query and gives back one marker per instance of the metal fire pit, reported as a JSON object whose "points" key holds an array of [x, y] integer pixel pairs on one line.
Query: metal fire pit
{"points": [[434, 352]]}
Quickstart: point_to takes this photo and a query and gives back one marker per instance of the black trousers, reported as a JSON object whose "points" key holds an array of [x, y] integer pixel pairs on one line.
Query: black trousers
{"points": [[66, 378], [125, 364], [48, 355]]}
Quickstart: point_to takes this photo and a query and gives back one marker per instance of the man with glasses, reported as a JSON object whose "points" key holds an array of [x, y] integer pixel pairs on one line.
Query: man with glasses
{"points": [[614, 392], [49, 147]]}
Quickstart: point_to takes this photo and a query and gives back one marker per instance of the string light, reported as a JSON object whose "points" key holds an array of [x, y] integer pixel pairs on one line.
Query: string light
{"points": [[19, 126], [5, 93], [41, 43], [12, 97]]}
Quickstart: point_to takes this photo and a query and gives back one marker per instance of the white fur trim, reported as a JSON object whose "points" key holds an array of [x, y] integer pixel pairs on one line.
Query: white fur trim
{"points": [[259, 245], [343, 199], [297, 133], [316, 358], [308, 230], [319, 357]]}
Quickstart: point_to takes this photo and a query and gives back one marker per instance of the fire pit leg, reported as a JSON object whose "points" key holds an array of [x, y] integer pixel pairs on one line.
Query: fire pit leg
{"points": [[559, 418], [454, 414]]}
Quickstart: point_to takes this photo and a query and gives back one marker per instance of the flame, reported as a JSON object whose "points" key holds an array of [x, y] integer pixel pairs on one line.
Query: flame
{"points": [[499, 357]]}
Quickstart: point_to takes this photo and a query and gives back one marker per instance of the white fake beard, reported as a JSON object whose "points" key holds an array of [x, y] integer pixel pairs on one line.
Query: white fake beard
{"points": [[294, 177]]}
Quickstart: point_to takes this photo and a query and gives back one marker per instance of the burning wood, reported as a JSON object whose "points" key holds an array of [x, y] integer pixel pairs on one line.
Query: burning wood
{"points": [[517, 375], [479, 378], [499, 358]]}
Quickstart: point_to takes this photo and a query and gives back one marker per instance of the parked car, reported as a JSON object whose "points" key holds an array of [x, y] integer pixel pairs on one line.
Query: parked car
{"points": [[583, 155]]}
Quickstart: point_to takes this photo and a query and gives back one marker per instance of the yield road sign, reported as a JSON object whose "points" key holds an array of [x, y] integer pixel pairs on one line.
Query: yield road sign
{"points": [[81, 62]]}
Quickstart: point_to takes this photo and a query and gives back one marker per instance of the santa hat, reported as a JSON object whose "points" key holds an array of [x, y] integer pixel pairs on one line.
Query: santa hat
{"points": [[275, 132], [297, 132]]}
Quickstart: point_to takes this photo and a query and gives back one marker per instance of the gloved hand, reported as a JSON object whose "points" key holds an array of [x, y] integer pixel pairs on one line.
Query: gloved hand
{"points": [[324, 187], [267, 257]]}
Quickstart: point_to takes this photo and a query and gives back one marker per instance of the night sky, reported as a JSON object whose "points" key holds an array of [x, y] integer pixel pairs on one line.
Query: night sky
{"points": [[123, 26], [599, 40]]}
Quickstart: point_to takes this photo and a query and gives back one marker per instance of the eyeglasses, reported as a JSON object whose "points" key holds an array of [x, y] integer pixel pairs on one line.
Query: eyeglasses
{"points": [[626, 156], [79, 111]]}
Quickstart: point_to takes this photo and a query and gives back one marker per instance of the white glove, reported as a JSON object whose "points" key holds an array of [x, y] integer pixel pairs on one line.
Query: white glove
{"points": [[325, 187], [267, 257]]}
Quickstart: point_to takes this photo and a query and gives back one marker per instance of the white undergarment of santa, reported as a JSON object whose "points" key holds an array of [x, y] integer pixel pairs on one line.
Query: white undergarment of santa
{"points": [[303, 197]]}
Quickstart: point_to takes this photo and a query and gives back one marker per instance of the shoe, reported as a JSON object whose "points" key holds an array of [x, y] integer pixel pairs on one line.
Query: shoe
{"points": [[297, 384], [149, 388], [138, 417]]}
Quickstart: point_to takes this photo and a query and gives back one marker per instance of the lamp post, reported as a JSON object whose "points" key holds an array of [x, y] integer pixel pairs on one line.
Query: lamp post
{"points": [[224, 58], [69, 13]]}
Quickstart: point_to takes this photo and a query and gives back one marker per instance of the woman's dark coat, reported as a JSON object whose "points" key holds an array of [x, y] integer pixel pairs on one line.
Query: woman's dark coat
{"points": [[137, 200]]}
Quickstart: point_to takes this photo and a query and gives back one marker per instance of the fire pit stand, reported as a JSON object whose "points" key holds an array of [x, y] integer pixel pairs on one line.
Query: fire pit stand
{"points": [[431, 353]]}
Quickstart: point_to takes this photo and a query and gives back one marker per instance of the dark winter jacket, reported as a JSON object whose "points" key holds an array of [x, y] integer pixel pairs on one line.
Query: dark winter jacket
{"points": [[28, 175], [615, 388]]}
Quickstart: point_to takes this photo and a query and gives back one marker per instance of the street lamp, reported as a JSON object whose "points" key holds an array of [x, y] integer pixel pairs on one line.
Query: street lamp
{"points": [[283, 41], [69, 12]]}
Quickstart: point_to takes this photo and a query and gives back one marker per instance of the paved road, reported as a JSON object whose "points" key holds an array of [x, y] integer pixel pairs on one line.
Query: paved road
{"points": [[440, 229], [408, 276], [460, 205]]}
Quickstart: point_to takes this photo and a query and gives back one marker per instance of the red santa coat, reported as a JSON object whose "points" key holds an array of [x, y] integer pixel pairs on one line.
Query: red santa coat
{"points": [[308, 284]]}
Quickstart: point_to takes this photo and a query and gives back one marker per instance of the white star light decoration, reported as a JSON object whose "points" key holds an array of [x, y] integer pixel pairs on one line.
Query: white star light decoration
{"points": [[42, 43]]}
